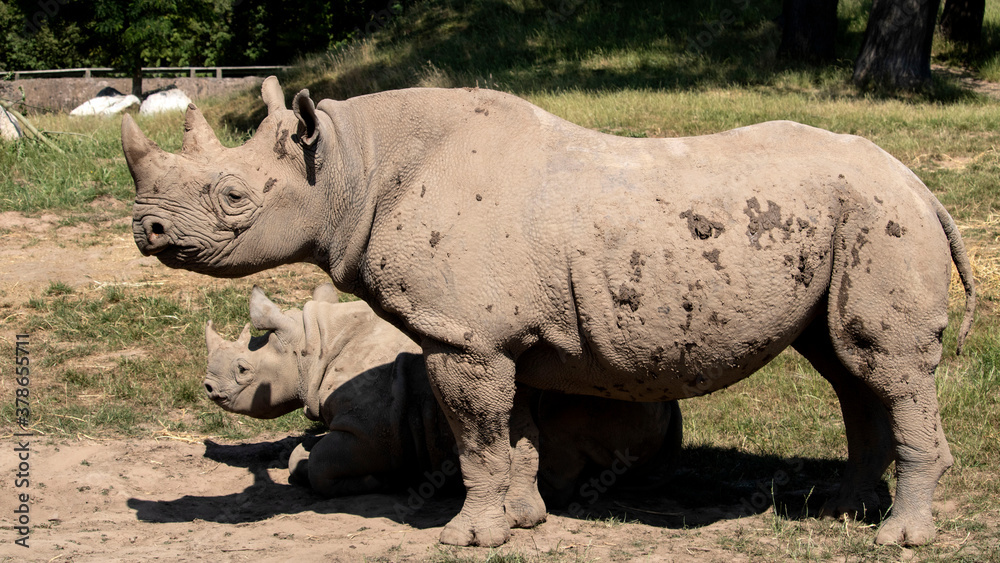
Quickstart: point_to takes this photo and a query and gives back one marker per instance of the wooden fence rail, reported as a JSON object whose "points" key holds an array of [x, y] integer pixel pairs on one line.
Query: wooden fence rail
{"points": [[191, 71]]}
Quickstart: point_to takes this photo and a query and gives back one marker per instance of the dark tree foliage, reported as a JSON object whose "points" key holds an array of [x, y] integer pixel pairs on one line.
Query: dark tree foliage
{"points": [[45, 34], [962, 20], [809, 30], [896, 52], [129, 34]]}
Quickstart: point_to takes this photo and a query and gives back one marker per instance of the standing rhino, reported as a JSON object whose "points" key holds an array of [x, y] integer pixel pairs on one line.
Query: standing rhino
{"points": [[515, 246], [366, 381]]}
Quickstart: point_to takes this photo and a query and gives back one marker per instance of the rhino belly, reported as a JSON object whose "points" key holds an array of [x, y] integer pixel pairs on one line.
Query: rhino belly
{"points": [[681, 296]]}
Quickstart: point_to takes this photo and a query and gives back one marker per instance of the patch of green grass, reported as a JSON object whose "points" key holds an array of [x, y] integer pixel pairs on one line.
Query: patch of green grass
{"points": [[131, 359], [58, 288], [36, 178]]}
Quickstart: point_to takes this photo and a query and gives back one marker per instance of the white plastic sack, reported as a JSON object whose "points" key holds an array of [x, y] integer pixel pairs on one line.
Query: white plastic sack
{"points": [[168, 100], [105, 105]]}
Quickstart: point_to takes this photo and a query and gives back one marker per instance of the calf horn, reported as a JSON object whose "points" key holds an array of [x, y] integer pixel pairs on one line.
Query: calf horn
{"points": [[198, 134]]}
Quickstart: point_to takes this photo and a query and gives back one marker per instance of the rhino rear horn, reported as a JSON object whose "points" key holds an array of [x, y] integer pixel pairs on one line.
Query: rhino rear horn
{"points": [[273, 96], [267, 316], [198, 134]]}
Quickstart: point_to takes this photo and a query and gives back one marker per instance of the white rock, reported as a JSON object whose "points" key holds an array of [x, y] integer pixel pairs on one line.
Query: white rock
{"points": [[10, 129], [105, 105], [167, 100]]}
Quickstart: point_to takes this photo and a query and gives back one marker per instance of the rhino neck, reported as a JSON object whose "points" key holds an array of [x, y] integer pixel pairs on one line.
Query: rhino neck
{"points": [[345, 184], [381, 140]]}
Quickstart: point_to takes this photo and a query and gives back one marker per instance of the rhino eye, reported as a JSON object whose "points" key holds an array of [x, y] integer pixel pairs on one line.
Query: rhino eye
{"points": [[234, 196]]}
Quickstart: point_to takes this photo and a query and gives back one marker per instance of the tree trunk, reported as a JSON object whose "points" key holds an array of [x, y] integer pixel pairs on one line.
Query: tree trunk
{"points": [[962, 20], [810, 29], [896, 53], [137, 81]]}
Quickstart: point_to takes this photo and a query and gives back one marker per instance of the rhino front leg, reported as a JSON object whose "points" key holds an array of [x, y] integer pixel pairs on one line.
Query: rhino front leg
{"points": [[524, 505], [476, 393]]}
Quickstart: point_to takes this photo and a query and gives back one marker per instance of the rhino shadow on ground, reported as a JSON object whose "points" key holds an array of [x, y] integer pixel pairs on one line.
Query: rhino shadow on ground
{"points": [[712, 484]]}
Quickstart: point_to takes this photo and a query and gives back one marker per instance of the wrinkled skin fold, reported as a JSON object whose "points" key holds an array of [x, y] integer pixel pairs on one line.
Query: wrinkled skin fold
{"points": [[514, 246]]}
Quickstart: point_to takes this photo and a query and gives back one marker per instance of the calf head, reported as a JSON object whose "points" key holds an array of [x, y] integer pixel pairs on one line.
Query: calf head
{"points": [[257, 375], [229, 212]]}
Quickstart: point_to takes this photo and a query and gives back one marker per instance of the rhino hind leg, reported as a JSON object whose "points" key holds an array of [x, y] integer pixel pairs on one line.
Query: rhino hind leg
{"points": [[888, 309], [866, 424], [333, 465]]}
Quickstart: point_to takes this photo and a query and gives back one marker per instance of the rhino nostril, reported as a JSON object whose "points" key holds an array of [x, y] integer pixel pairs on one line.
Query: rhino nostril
{"points": [[208, 388], [156, 229]]}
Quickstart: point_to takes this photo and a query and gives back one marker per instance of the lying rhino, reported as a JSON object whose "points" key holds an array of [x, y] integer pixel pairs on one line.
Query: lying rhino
{"points": [[366, 381], [515, 246]]}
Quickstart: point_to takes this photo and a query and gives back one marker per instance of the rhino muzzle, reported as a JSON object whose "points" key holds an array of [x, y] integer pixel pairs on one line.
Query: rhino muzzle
{"points": [[151, 234]]}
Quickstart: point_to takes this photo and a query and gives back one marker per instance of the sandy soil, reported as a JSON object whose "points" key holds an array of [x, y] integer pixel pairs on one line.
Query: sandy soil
{"points": [[171, 499], [186, 498]]}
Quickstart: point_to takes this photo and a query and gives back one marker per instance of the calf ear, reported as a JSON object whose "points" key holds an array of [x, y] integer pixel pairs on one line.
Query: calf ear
{"points": [[305, 110], [267, 316], [326, 292]]}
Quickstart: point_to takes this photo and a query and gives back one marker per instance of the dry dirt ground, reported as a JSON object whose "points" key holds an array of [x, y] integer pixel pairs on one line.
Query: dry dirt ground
{"points": [[186, 498]]}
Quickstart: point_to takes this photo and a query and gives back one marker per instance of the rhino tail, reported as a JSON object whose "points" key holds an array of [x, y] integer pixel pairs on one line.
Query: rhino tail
{"points": [[964, 267]]}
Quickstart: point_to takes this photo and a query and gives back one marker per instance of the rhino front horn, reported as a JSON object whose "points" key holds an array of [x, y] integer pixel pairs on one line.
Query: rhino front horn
{"points": [[198, 134], [141, 153]]}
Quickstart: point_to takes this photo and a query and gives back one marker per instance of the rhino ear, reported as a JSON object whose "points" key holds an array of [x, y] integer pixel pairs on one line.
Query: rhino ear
{"points": [[267, 316], [270, 90], [305, 110], [326, 292], [212, 339]]}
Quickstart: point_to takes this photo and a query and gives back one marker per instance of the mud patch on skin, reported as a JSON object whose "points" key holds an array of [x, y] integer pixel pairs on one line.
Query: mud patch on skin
{"points": [[636, 263], [860, 241], [701, 227], [627, 296], [279, 144], [713, 257], [894, 229], [804, 270], [761, 221], [270, 184], [435, 238], [717, 320]]}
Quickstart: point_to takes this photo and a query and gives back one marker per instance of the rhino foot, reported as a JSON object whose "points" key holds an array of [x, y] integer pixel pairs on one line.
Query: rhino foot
{"points": [[462, 531], [852, 506], [298, 466], [525, 512], [907, 530]]}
